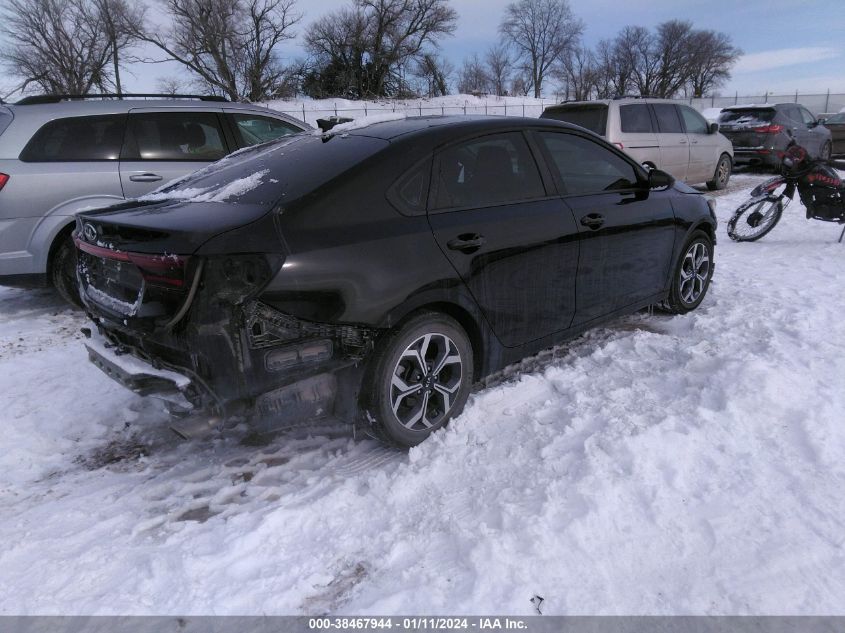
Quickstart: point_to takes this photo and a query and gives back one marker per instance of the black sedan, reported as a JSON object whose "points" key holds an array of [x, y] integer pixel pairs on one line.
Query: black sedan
{"points": [[374, 274]]}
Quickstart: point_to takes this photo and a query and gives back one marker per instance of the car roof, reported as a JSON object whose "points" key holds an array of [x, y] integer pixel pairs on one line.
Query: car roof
{"points": [[607, 102], [757, 106], [440, 127]]}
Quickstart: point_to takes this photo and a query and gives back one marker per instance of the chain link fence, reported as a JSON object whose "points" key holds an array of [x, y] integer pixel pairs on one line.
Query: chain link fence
{"points": [[309, 112]]}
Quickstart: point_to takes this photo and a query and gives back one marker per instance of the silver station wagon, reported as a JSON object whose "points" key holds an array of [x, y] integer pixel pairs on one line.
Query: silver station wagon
{"points": [[60, 155]]}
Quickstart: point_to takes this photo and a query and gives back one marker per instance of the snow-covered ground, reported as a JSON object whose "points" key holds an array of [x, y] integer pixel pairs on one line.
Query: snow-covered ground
{"points": [[661, 465], [310, 110]]}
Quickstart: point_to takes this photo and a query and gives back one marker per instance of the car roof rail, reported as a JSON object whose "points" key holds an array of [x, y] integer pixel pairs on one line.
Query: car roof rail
{"points": [[634, 97], [41, 99]]}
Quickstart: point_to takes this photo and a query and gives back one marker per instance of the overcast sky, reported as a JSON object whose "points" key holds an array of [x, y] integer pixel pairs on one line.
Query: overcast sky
{"points": [[789, 45]]}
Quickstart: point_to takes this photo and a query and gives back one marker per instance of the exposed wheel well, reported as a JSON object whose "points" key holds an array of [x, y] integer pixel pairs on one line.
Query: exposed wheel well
{"points": [[466, 321], [60, 236], [707, 228]]}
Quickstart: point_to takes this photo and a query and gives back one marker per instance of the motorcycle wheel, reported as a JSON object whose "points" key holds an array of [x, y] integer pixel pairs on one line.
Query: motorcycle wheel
{"points": [[755, 218]]}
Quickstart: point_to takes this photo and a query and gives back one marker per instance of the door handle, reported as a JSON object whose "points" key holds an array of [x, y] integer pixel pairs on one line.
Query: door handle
{"points": [[593, 221], [466, 242], [145, 177], [683, 142]]}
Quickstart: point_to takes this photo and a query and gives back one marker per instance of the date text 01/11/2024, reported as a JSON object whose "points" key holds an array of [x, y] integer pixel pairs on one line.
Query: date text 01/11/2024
{"points": [[417, 624]]}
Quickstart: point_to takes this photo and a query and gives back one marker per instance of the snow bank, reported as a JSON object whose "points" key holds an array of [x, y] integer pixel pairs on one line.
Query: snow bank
{"points": [[661, 465]]}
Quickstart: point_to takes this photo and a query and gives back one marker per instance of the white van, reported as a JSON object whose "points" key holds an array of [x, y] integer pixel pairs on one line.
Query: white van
{"points": [[658, 133]]}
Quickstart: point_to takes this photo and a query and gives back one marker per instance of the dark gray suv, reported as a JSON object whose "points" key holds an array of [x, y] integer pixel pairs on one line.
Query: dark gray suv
{"points": [[761, 133], [62, 155]]}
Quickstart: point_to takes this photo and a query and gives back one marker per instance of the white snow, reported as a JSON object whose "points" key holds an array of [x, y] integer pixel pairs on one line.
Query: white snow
{"points": [[362, 122], [661, 465], [312, 109], [215, 193]]}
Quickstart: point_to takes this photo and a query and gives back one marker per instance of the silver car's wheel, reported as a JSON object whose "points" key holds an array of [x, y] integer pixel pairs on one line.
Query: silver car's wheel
{"points": [[419, 378], [425, 381], [694, 273], [722, 174]]}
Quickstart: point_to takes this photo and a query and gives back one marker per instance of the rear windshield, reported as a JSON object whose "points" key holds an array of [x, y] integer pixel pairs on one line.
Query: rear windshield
{"points": [[263, 174], [591, 117], [5, 119], [750, 116]]}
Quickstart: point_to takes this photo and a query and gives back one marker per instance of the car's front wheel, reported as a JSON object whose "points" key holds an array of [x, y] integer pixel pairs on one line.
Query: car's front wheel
{"points": [[692, 275], [420, 377]]}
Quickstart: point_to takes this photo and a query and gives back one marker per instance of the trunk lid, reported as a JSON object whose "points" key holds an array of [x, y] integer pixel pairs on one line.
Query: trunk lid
{"points": [[741, 126]]}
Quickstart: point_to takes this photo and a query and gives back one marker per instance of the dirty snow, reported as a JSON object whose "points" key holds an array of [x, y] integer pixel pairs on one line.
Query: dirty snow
{"points": [[662, 465]]}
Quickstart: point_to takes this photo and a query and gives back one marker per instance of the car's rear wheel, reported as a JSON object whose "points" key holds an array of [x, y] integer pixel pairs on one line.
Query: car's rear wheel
{"points": [[825, 151], [420, 377], [722, 174], [692, 275], [63, 271]]}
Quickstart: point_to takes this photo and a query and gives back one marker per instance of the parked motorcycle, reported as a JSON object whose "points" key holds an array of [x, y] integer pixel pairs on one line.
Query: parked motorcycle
{"points": [[819, 187]]}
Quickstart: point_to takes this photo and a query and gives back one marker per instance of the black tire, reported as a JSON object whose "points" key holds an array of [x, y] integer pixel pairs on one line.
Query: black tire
{"points": [[446, 389], [722, 174], [691, 278], [825, 152], [760, 214], [63, 271]]}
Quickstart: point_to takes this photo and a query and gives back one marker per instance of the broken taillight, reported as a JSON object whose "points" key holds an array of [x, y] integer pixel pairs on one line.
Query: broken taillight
{"points": [[159, 270]]}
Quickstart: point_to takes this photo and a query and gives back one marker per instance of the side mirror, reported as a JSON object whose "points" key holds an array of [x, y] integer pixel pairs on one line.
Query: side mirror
{"points": [[660, 180], [714, 127], [813, 124]]}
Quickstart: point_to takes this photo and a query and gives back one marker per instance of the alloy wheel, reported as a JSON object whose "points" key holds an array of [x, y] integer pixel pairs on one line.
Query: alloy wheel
{"points": [[425, 381], [695, 270], [724, 171]]}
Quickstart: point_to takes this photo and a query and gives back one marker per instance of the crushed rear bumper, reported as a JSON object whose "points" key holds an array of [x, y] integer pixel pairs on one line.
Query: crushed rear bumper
{"points": [[138, 375]]}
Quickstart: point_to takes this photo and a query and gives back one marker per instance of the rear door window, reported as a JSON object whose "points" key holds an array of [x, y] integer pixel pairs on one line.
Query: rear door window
{"points": [[89, 138], [667, 118], [486, 171], [590, 117], [252, 129], [807, 116], [635, 118], [693, 121], [585, 166], [174, 136]]}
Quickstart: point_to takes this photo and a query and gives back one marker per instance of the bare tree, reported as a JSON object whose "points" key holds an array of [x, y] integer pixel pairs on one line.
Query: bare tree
{"points": [[116, 18], [434, 72], [499, 68], [578, 72], [613, 72], [541, 31], [522, 84], [65, 46], [228, 44], [169, 85], [672, 44], [369, 46], [472, 78], [712, 56]]}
